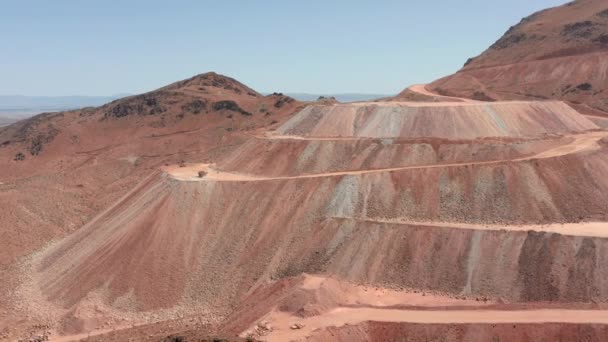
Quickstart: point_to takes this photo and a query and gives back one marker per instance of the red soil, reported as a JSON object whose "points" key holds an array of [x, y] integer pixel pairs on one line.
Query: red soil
{"points": [[559, 53], [412, 332], [455, 220], [218, 237], [439, 120]]}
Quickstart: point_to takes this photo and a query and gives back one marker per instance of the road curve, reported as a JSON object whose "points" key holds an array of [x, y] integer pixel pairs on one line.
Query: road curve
{"points": [[422, 90], [580, 143]]}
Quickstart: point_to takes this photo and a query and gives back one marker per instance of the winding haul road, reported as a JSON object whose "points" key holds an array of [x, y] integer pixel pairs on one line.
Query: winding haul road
{"points": [[421, 89], [574, 143], [579, 143]]}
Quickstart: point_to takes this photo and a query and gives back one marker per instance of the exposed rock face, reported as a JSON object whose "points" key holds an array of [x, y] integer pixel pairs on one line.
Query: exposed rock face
{"points": [[538, 58], [147, 104], [195, 107], [229, 106]]}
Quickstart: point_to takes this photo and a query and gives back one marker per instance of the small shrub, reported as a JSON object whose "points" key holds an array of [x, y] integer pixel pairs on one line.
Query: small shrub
{"points": [[229, 105], [603, 39], [584, 86], [481, 96], [508, 41], [582, 29], [19, 156], [195, 107]]}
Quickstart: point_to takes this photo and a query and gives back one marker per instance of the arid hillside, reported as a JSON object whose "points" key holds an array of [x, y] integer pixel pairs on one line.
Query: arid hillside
{"points": [[59, 170], [387, 212], [472, 209], [205, 103], [558, 53]]}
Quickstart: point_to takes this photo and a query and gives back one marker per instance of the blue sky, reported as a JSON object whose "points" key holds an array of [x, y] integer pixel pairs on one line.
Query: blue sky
{"points": [[66, 47]]}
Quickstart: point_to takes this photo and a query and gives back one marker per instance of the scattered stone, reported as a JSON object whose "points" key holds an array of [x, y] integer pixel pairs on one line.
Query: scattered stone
{"points": [[297, 326]]}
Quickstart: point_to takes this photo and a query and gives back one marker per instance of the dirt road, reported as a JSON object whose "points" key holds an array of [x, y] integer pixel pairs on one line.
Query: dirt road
{"points": [[580, 143], [282, 322], [421, 89], [587, 229]]}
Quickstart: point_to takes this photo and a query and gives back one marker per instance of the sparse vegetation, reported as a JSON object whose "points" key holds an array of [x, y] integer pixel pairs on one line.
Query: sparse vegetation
{"points": [[195, 107], [481, 96], [146, 104], [509, 40], [602, 39], [584, 86], [282, 100], [603, 14], [19, 157], [35, 147], [229, 105], [582, 29], [323, 98], [210, 79]]}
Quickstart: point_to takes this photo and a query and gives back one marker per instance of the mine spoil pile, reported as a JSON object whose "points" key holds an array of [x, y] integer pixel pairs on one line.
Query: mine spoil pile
{"points": [[363, 221]]}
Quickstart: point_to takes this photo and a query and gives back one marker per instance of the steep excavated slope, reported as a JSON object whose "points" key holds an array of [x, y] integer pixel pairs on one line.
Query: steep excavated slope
{"points": [[212, 241], [439, 120], [559, 53], [501, 224], [285, 156]]}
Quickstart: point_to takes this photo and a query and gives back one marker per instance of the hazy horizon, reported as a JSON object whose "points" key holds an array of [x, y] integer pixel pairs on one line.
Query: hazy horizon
{"points": [[23, 106], [67, 48]]}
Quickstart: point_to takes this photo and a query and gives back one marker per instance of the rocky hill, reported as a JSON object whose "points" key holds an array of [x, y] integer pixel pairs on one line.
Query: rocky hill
{"points": [[558, 53]]}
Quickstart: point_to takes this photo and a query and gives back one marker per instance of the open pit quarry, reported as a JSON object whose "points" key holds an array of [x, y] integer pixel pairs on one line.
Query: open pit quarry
{"points": [[360, 221]]}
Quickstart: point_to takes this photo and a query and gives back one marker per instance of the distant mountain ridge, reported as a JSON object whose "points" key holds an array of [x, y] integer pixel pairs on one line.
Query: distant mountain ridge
{"points": [[6, 121], [22, 106]]}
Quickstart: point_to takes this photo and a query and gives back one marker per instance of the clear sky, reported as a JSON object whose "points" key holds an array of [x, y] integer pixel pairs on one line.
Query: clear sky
{"points": [[75, 47]]}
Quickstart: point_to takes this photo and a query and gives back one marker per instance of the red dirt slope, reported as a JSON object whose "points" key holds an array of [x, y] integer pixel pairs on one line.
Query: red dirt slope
{"points": [[75, 164], [446, 227], [437, 120], [558, 53]]}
